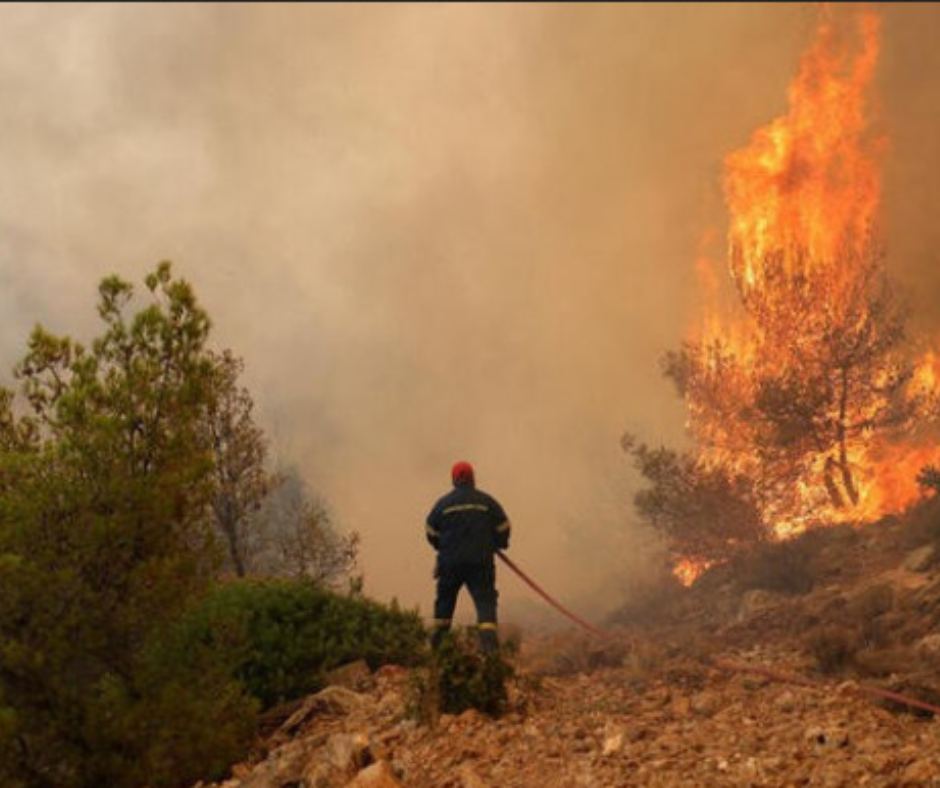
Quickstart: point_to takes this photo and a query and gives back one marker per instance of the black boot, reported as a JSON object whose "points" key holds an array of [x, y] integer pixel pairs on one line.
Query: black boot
{"points": [[489, 640]]}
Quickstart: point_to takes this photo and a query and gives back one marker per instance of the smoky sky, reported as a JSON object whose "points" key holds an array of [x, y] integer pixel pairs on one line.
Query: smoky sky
{"points": [[433, 232]]}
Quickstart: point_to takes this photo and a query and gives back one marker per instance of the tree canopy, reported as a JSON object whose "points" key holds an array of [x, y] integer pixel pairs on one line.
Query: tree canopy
{"points": [[106, 535]]}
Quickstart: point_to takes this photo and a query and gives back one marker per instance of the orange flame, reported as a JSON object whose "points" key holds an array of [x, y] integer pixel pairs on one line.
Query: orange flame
{"points": [[687, 571], [810, 179], [803, 199]]}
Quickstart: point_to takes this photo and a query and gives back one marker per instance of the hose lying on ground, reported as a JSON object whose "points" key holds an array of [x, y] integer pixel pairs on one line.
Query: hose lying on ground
{"points": [[858, 689], [551, 600]]}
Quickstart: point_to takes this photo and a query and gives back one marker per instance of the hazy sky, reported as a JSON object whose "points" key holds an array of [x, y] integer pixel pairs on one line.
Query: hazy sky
{"points": [[434, 232]]}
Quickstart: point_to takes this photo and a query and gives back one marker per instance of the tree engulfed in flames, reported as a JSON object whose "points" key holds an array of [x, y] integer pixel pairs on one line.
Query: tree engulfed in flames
{"points": [[807, 383]]}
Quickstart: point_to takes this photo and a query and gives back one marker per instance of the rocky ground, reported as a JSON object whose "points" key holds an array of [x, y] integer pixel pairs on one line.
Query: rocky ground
{"points": [[728, 693]]}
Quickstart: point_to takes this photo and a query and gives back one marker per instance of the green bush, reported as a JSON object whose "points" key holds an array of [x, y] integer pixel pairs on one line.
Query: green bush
{"points": [[285, 635], [105, 540], [193, 718], [460, 677], [175, 716]]}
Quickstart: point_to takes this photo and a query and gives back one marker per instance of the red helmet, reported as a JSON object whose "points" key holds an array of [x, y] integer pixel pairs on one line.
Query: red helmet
{"points": [[462, 473]]}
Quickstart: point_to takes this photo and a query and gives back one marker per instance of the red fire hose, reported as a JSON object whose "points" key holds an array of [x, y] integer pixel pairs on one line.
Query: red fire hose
{"points": [[551, 600], [720, 664], [858, 689]]}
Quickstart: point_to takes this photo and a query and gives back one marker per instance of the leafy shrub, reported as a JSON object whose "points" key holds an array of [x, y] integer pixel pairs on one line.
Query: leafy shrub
{"points": [[891, 660], [185, 715], [285, 635], [460, 677], [105, 541], [706, 512]]}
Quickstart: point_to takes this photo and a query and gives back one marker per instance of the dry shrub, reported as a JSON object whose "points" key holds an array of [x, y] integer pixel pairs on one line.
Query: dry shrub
{"points": [[833, 608], [888, 661], [782, 567], [568, 654], [868, 611], [643, 660], [876, 633], [652, 602], [899, 627], [921, 524], [833, 646], [872, 601]]}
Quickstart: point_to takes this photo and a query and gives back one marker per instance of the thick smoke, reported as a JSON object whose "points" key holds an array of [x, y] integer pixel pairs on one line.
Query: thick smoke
{"points": [[910, 111], [433, 232]]}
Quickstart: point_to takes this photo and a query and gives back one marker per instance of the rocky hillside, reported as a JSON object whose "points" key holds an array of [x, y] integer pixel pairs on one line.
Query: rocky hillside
{"points": [[729, 686]]}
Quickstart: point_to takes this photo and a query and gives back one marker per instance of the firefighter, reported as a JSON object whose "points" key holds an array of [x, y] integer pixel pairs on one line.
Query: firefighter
{"points": [[466, 527]]}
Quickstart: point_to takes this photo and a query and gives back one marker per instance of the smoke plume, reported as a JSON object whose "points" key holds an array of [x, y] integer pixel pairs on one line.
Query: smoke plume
{"points": [[433, 232]]}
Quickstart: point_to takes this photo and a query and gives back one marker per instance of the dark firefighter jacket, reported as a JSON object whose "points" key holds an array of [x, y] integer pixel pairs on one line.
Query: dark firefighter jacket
{"points": [[467, 526]]}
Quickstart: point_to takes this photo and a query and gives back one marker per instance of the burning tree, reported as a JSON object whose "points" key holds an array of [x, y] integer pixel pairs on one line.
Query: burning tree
{"points": [[822, 379], [806, 383]]}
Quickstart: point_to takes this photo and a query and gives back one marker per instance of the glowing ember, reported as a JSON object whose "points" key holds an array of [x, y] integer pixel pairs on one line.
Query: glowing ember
{"points": [[687, 572]]}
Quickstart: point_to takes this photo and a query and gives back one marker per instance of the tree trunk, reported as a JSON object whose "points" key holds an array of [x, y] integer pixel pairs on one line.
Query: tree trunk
{"points": [[835, 494], [848, 481], [229, 524], [837, 475]]}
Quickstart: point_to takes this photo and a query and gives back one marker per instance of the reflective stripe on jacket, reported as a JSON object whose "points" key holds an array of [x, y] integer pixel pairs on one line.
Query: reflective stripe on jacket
{"points": [[467, 526]]}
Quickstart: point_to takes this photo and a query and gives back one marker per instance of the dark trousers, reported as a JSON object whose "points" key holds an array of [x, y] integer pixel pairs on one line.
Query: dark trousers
{"points": [[480, 580]]}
